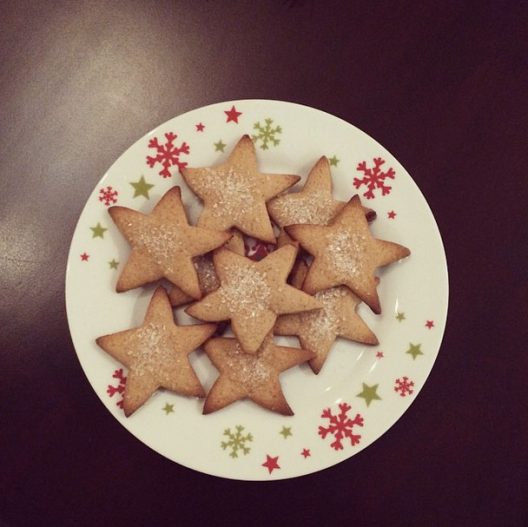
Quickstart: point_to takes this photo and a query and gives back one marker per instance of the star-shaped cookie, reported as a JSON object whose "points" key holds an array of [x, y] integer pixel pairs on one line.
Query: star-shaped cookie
{"points": [[252, 294], [255, 377], [235, 193], [206, 272], [163, 244], [314, 204], [156, 354], [318, 330], [345, 253]]}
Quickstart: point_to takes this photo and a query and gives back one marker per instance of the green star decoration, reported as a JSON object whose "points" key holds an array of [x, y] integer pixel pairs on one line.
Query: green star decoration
{"points": [[219, 147], [113, 264], [141, 188], [286, 431], [98, 231], [369, 393], [414, 350], [334, 161], [168, 408], [400, 316]]}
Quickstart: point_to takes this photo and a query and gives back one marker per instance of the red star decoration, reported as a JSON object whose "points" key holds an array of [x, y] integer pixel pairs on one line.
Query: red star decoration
{"points": [[271, 463], [379, 355], [391, 215], [200, 127], [306, 453], [429, 324], [232, 115], [84, 257]]}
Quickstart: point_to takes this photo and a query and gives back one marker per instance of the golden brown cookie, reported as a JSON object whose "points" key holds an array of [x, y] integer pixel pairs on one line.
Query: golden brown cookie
{"points": [[255, 377], [235, 193], [314, 204], [206, 272], [156, 354], [163, 244], [318, 330], [252, 294], [345, 253]]}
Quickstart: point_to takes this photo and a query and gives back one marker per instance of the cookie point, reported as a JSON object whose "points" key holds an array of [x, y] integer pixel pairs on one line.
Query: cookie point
{"points": [[114, 210], [160, 290], [375, 306], [355, 199], [210, 329], [316, 368], [127, 411], [176, 190]]}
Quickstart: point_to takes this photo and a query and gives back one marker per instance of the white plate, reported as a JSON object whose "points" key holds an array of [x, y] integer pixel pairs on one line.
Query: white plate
{"points": [[413, 294]]}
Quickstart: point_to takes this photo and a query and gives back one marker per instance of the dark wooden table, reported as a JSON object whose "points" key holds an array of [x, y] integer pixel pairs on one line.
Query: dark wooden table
{"points": [[441, 85]]}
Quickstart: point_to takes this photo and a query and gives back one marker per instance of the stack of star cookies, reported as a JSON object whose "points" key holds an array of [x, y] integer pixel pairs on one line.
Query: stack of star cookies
{"points": [[310, 286]]}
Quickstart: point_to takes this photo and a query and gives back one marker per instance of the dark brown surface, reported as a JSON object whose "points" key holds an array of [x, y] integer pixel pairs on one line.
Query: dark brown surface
{"points": [[442, 86]]}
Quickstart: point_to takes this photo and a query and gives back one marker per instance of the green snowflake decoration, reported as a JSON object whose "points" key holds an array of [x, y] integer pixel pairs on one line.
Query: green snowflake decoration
{"points": [[237, 441], [266, 134]]}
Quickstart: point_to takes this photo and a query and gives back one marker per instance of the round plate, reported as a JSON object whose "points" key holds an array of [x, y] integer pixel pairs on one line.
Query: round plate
{"points": [[361, 391]]}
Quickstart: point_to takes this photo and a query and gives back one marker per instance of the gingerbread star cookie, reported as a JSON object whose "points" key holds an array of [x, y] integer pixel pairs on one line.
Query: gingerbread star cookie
{"points": [[206, 272], [255, 377], [314, 204], [235, 193], [318, 330], [163, 245], [252, 294], [156, 354], [345, 253]]}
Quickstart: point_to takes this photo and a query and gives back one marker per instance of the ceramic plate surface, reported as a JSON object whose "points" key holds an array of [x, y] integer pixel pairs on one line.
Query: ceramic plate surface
{"points": [[361, 391]]}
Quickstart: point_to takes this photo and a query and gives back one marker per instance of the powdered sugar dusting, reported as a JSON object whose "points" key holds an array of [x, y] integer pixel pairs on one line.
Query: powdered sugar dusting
{"points": [[346, 250], [246, 291], [246, 369], [235, 196], [324, 323], [313, 208], [161, 243], [153, 349]]}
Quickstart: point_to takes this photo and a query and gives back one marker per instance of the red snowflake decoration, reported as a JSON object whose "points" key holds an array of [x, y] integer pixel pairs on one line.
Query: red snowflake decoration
{"points": [[120, 388], [108, 196], [340, 426], [374, 178], [167, 154], [256, 250], [404, 386]]}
